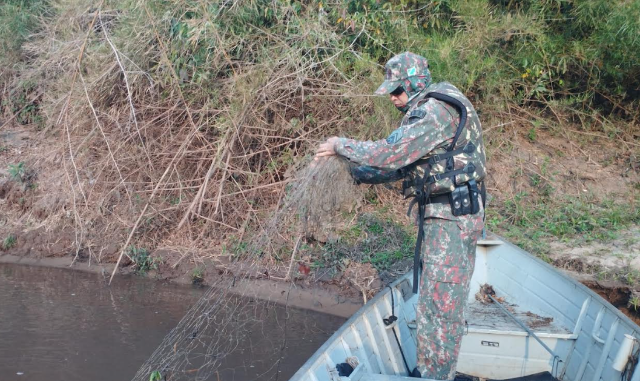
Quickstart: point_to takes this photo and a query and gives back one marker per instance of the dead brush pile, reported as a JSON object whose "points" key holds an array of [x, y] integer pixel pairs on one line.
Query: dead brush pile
{"points": [[176, 122]]}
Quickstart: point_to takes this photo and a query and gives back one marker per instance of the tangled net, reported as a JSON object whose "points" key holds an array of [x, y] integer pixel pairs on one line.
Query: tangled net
{"points": [[319, 197], [325, 189], [209, 331]]}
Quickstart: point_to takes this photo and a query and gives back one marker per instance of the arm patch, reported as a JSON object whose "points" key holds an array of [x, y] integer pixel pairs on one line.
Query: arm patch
{"points": [[395, 136], [416, 115]]}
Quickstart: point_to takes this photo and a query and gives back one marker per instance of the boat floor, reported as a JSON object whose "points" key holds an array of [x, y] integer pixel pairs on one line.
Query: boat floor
{"points": [[492, 317], [546, 376]]}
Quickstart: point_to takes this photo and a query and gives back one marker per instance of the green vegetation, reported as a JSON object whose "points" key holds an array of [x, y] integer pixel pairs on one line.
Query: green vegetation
{"points": [[18, 172], [18, 20], [371, 239], [560, 54], [9, 242], [197, 275], [142, 260], [22, 174], [155, 376], [527, 219]]}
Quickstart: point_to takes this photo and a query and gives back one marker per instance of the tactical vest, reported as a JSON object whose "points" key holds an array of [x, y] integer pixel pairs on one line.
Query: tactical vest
{"points": [[446, 169], [454, 162]]}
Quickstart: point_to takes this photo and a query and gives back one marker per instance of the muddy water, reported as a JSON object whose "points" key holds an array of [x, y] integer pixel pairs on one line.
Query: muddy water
{"points": [[60, 325]]}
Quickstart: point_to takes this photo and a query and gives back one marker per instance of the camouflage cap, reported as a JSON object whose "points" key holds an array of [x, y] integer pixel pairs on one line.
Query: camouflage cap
{"points": [[401, 67]]}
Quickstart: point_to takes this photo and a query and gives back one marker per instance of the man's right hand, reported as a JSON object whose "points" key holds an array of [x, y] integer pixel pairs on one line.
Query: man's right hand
{"points": [[327, 148]]}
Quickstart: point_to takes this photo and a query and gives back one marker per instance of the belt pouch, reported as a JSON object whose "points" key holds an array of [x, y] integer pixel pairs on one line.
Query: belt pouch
{"points": [[473, 193], [460, 200]]}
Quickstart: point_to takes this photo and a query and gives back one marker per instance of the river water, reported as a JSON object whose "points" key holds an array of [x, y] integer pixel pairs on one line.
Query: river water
{"points": [[64, 325]]}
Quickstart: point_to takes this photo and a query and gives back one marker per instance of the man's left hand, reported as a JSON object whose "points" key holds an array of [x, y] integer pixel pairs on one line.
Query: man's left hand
{"points": [[327, 148]]}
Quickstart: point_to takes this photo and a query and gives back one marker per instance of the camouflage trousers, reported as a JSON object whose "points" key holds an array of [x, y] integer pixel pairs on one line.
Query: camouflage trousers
{"points": [[448, 254]]}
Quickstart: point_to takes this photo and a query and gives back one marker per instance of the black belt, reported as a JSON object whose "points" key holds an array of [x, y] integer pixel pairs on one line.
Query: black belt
{"points": [[444, 198], [439, 199]]}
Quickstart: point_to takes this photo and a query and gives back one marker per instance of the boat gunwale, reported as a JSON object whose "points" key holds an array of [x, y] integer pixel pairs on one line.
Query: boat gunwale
{"points": [[347, 325]]}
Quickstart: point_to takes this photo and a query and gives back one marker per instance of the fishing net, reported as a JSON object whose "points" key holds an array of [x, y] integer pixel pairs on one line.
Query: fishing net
{"points": [[210, 331], [232, 335], [319, 202], [324, 192], [222, 321]]}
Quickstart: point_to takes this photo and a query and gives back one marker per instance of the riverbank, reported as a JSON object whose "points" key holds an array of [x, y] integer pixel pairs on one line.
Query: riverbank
{"points": [[315, 296], [310, 291]]}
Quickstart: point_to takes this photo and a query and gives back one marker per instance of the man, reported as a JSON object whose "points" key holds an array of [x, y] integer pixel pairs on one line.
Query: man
{"points": [[439, 153]]}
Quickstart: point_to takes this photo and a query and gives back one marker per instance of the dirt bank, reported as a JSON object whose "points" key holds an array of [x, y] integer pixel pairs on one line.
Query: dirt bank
{"points": [[319, 297]]}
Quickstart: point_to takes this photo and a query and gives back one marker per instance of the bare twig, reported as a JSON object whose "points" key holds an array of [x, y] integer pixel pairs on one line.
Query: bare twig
{"points": [[293, 256]]}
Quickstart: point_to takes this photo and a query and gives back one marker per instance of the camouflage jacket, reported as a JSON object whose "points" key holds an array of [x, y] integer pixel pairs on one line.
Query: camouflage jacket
{"points": [[427, 129]]}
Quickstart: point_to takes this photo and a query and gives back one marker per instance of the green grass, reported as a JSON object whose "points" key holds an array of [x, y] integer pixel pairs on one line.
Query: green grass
{"points": [[531, 221], [372, 239], [9, 242], [18, 20]]}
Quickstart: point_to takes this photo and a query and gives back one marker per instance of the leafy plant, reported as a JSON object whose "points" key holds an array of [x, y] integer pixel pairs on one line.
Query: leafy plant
{"points": [[17, 172], [9, 242], [155, 376], [142, 260]]}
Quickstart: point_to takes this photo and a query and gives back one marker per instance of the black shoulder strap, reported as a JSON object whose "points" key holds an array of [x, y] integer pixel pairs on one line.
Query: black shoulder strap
{"points": [[461, 109]]}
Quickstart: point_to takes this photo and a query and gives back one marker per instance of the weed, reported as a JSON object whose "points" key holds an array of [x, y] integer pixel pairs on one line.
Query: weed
{"points": [[528, 220], [375, 227], [632, 277], [155, 376], [17, 172], [142, 260], [535, 180], [197, 275], [635, 302], [545, 257], [9, 242], [18, 20], [22, 174]]}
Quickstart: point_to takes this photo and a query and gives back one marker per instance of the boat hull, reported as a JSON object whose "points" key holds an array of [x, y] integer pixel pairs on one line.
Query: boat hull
{"points": [[555, 325]]}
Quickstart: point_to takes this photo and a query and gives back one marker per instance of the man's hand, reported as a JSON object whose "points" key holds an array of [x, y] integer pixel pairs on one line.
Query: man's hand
{"points": [[327, 148]]}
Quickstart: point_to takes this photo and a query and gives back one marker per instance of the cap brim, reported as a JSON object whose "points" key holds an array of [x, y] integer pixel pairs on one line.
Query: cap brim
{"points": [[387, 87]]}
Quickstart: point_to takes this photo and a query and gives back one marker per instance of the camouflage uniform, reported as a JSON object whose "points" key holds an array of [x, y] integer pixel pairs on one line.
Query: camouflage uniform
{"points": [[448, 250]]}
